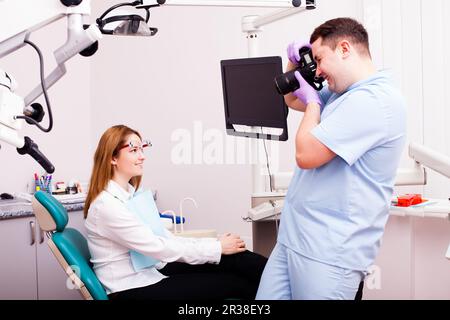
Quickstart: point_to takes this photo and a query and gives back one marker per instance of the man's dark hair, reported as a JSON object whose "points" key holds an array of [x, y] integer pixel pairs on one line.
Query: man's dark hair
{"points": [[337, 29]]}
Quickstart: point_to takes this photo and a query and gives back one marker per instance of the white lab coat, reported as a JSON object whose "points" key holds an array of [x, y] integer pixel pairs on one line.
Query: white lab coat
{"points": [[113, 231]]}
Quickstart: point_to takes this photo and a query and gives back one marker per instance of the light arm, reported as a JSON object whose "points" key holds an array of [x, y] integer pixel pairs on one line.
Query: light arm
{"points": [[233, 3], [78, 39], [34, 18], [430, 158], [22, 18]]}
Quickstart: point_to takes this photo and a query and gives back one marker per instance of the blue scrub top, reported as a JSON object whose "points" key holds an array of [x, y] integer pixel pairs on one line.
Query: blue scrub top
{"points": [[336, 214]]}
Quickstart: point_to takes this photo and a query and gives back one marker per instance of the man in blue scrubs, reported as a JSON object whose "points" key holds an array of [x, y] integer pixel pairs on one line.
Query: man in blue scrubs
{"points": [[348, 148]]}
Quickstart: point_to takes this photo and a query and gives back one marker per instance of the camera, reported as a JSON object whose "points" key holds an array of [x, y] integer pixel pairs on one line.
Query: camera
{"points": [[287, 82]]}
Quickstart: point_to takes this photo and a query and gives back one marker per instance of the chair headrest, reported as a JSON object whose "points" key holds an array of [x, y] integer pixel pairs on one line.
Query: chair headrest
{"points": [[50, 213]]}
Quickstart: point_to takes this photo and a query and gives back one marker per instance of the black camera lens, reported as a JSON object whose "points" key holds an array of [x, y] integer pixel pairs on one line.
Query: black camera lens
{"points": [[287, 82]]}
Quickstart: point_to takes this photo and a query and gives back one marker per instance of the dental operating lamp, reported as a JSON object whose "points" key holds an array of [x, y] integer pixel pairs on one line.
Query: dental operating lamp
{"points": [[22, 18]]}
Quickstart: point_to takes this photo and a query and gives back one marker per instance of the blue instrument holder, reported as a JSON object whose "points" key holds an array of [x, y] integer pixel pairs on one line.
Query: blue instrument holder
{"points": [[168, 216]]}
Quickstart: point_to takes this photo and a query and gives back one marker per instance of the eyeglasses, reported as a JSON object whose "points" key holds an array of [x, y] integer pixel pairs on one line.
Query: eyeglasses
{"points": [[134, 146]]}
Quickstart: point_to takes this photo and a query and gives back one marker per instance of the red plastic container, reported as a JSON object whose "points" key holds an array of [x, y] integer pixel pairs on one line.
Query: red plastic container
{"points": [[408, 200]]}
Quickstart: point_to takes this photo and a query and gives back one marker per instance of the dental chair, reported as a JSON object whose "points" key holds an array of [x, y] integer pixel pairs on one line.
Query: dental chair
{"points": [[68, 245]]}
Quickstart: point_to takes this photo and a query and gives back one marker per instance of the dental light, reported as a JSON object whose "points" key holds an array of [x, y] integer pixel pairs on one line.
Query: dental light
{"points": [[82, 39], [128, 24]]}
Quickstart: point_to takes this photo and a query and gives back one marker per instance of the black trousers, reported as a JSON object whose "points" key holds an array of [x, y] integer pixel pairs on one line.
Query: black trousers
{"points": [[237, 276], [359, 293]]}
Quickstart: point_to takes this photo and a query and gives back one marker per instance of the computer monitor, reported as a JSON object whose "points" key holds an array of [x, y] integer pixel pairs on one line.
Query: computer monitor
{"points": [[251, 98]]}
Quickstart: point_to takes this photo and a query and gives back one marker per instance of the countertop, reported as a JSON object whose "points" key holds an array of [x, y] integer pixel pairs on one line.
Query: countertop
{"points": [[20, 208]]}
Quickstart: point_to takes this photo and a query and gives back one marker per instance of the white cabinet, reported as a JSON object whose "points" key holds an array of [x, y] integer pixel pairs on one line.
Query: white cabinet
{"points": [[28, 268], [18, 259]]}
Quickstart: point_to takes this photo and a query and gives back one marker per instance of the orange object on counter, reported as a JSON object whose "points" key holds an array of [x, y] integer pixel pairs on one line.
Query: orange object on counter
{"points": [[408, 200]]}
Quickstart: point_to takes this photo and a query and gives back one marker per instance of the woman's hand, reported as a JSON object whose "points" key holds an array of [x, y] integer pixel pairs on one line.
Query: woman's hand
{"points": [[231, 244]]}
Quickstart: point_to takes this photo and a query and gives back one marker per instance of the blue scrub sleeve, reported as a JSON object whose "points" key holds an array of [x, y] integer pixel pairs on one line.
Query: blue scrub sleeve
{"points": [[357, 125], [325, 95]]}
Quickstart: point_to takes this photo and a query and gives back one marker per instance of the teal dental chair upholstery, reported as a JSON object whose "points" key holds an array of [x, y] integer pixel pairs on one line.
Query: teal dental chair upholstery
{"points": [[68, 245]]}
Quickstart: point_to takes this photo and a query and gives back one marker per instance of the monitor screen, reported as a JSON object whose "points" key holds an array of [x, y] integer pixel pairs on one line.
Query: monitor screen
{"points": [[250, 95]]}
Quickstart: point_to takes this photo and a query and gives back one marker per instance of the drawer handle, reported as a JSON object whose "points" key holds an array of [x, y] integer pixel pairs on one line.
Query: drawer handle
{"points": [[42, 236], [33, 233]]}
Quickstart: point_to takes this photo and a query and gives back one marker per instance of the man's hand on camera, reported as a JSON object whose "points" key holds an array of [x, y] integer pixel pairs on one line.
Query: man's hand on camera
{"points": [[293, 50], [306, 93]]}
